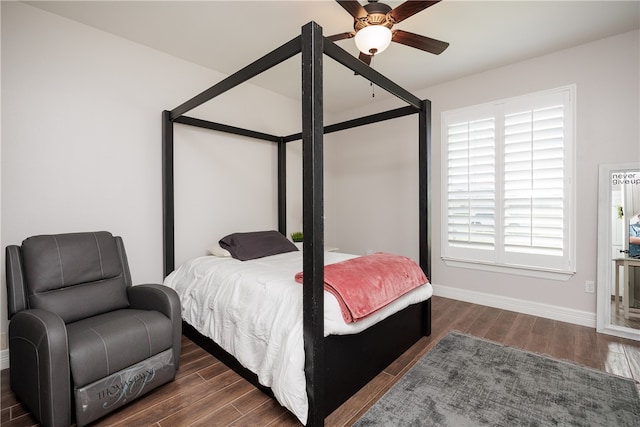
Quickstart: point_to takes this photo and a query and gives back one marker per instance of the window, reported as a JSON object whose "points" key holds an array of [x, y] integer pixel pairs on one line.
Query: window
{"points": [[509, 182]]}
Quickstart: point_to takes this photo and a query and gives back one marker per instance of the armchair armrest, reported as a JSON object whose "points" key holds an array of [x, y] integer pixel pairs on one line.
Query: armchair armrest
{"points": [[16, 292], [39, 359], [165, 300]]}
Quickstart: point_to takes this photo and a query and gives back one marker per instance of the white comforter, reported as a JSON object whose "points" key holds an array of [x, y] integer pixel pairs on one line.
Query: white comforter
{"points": [[253, 310]]}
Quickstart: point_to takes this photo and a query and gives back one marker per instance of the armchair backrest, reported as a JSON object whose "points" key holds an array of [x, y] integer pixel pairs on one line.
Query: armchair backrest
{"points": [[74, 275]]}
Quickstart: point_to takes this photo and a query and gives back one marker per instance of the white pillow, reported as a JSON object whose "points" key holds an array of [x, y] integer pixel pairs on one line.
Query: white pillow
{"points": [[216, 250]]}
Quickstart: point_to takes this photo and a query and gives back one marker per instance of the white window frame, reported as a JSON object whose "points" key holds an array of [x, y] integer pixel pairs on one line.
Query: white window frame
{"points": [[496, 258]]}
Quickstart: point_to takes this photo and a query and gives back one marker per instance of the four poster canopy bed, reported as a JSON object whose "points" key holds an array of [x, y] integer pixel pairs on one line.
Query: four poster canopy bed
{"points": [[334, 355]]}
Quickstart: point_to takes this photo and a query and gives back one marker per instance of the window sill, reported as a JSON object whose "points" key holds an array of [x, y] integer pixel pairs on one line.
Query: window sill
{"points": [[562, 276]]}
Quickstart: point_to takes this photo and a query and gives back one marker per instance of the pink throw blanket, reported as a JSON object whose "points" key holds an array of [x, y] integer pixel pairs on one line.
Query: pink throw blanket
{"points": [[365, 284]]}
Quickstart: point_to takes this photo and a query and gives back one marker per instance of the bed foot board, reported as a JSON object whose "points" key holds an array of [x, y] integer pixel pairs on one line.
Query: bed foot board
{"points": [[354, 360]]}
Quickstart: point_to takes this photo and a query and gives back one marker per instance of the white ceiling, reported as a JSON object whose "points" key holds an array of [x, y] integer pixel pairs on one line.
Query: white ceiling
{"points": [[228, 35]]}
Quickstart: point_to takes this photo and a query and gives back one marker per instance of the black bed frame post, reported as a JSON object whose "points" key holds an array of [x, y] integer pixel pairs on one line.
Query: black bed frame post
{"points": [[424, 169], [282, 186], [313, 225], [168, 246]]}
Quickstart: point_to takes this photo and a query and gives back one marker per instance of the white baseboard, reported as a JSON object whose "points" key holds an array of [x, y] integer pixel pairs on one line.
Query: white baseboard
{"points": [[4, 359], [547, 311]]}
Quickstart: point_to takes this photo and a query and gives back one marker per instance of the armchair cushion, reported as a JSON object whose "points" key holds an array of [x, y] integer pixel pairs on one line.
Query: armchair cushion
{"points": [[107, 343], [75, 275]]}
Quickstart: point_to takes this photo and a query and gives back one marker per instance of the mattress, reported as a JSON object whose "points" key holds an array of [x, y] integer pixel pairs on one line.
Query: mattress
{"points": [[253, 310]]}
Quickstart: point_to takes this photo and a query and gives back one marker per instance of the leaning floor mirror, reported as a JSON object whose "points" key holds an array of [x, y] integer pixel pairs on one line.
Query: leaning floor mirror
{"points": [[618, 311]]}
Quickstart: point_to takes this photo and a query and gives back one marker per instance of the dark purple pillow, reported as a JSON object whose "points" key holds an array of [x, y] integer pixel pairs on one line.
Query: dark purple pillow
{"points": [[256, 244]]}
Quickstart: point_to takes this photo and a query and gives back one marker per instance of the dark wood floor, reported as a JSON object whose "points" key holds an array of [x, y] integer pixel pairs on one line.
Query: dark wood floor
{"points": [[207, 393]]}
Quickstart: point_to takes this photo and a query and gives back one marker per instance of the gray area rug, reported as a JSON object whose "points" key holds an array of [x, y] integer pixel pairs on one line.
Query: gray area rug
{"points": [[466, 381]]}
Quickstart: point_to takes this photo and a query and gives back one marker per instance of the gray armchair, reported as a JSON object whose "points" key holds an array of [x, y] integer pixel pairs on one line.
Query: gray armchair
{"points": [[82, 340]]}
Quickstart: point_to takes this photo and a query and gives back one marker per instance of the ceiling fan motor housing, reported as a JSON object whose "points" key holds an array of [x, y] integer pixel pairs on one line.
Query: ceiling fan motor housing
{"points": [[377, 20], [377, 14]]}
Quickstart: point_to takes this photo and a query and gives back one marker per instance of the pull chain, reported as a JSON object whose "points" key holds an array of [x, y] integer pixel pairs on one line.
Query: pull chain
{"points": [[373, 87]]}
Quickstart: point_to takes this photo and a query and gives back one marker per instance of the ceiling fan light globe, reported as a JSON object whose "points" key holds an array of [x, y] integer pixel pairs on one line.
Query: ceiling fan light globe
{"points": [[373, 39]]}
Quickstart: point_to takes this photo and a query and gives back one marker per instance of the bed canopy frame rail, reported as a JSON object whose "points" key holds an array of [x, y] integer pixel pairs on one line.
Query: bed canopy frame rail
{"points": [[312, 45]]}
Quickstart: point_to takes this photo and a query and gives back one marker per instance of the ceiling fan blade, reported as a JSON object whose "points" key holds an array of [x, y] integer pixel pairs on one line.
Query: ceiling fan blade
{"points": [[419, 42], [341, 36], [410, 8], [365, 58], [354, 8]]}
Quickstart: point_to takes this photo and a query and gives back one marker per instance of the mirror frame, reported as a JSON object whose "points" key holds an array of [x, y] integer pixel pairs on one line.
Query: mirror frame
{"points": [[605, 263]]}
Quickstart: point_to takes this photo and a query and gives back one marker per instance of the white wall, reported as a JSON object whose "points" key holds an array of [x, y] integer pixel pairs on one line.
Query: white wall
{"points": [[81, 143], [378, 209], [371, 186]]}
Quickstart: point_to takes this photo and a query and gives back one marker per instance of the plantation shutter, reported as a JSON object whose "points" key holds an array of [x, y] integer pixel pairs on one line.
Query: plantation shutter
{"points": [[533, 203], [509, 182], [471, 183]]}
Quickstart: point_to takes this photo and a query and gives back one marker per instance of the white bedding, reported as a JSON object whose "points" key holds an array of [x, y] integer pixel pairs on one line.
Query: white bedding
{"points": [[253, 310]]}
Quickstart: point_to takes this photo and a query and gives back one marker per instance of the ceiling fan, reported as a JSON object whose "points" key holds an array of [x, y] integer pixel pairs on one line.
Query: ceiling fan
{"points": [[372, 27]]}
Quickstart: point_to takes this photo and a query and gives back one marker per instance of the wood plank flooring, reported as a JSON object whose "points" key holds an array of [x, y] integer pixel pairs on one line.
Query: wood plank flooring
{"points": [[206, 393]]}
